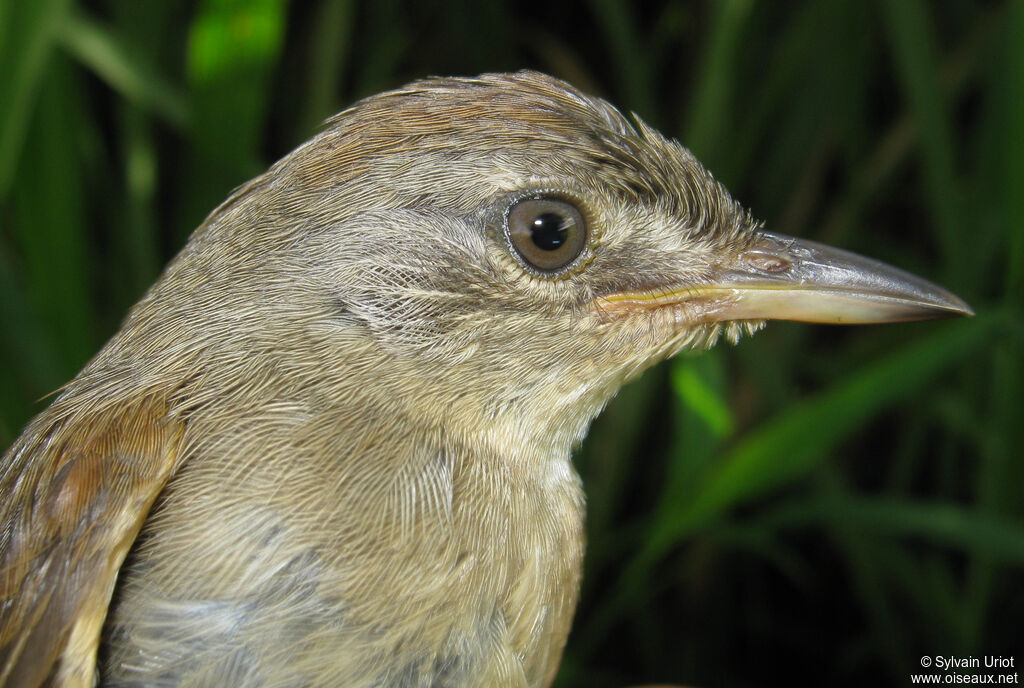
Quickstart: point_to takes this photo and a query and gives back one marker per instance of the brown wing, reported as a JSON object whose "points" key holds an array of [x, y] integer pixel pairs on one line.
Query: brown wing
{"points": [[76, 488]]}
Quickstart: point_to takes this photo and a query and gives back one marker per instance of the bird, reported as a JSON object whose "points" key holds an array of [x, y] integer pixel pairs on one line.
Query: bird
{"points": [[332, 444]]}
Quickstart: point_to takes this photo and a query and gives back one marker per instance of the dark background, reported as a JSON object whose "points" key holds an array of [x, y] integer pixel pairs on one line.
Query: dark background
{"points": [[815, 506]]}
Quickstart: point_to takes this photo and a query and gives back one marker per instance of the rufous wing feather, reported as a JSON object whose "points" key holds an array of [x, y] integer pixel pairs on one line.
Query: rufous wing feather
{"points": [[76, 488]]}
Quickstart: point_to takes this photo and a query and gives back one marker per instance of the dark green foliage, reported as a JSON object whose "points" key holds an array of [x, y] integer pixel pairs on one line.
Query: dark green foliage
{"points": [[815, 506]]}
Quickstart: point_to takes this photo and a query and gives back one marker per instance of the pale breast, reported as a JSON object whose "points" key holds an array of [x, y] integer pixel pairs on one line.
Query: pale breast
{"points": [[389, 556]]}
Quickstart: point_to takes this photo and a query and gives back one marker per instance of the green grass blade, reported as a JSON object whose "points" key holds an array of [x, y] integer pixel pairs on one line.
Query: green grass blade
{"points": [[942, 524], [629, 55], [712, 99], [48, 220], [788, 446], [100, 51], [605, 457], [909, 25], [27, 37], [331, 44], [699, 383], [233, 50], [31, 361]]}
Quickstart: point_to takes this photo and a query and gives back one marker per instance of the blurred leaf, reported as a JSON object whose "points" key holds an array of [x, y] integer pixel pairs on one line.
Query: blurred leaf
{"points": [[711, 112], [31, 361], [1014, 154], [868, 585], [136, 233], [27, 35], [101, 52], [630, 56], [759, 538], [614, 434], [790, 444], [704, 396], [330, 47], [49, 221], [233, 49], [229, 34], [136, 222], [794, 48], [942, 524], [910, 34], [701, 422], [892, 148], [392, 35]]}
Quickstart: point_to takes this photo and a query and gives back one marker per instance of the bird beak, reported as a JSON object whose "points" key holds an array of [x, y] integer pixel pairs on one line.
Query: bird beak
{"points": [[782, 278]]}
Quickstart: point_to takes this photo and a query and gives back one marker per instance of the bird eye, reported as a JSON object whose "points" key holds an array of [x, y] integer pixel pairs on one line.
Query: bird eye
{"points": [[547, 233]]}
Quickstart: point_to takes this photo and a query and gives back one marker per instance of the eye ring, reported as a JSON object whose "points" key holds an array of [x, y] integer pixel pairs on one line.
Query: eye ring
{"points": [[548, 234]]}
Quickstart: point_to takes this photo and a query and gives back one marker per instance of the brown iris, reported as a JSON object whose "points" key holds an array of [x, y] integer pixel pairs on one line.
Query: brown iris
{"points": [[547, 233]]}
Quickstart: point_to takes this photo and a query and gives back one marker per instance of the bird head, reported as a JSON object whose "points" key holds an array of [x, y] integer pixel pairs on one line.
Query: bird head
{"points": [[501, 253]]}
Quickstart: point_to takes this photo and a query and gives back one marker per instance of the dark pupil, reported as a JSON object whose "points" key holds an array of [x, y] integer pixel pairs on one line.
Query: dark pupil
{"points": [[548, 231]]}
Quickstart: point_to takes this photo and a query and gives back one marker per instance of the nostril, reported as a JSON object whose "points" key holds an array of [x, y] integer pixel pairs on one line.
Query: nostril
{"points": [[766, 262]]}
